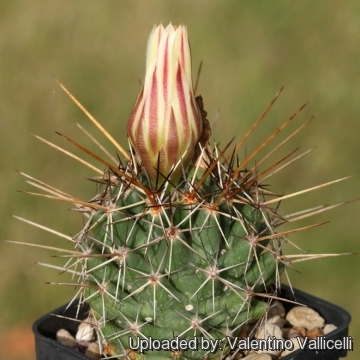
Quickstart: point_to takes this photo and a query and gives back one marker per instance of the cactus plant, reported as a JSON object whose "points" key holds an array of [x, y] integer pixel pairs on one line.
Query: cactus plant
{"points": [[181, 242]]}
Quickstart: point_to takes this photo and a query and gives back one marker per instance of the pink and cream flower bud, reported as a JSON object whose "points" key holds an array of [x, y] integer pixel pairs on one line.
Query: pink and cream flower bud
{"points": [[165, 123]]}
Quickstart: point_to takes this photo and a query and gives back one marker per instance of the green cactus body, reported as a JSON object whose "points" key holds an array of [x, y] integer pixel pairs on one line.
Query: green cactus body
{"points": [[182, 263]]}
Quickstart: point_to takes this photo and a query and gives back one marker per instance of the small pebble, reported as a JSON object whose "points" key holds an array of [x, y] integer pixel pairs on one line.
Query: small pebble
{"points": [[269, 330], [65, 338], [277, 308], [296, 346], [277, 320], [93, 351], [328, 328], [85, 331], [306, 317], [314, 333], [297, 331]]}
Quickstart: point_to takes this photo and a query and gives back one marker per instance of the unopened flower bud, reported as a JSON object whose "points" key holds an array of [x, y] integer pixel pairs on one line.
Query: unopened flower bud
{"points": [[165, 123]]}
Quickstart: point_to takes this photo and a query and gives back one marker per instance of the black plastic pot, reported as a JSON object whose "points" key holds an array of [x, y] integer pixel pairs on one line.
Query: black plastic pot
{"points": [[45, 329], [332, 314], [47, 348]]}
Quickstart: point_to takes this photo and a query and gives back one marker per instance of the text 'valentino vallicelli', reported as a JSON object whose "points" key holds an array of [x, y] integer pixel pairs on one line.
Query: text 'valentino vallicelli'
{"points": [[321, 343]]}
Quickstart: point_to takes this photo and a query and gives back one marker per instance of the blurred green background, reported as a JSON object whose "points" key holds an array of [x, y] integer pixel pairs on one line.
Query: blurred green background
{"points": [[249, 48]]}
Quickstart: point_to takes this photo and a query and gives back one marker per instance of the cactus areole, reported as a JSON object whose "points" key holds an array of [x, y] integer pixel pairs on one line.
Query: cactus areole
{"points": [[180, 248]]}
